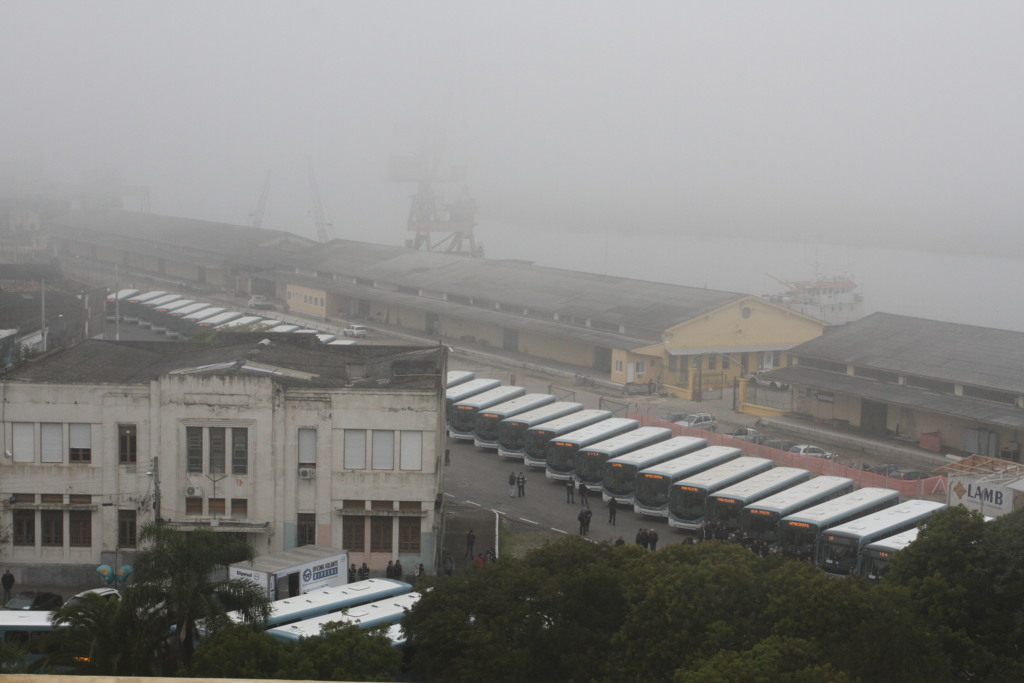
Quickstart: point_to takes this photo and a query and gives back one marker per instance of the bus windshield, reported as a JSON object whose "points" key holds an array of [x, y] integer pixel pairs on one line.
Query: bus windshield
{"points": [[512, 435], [726, 511], [560, 455], [652, 489], [620, 478], [487, 426], [838, 554], [761, 525], [797, 538], [687, 502], [536, 442]]}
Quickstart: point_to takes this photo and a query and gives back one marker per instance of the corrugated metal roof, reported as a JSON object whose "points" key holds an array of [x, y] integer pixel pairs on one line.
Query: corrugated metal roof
{"points": [[955, 406], [962, 354]]}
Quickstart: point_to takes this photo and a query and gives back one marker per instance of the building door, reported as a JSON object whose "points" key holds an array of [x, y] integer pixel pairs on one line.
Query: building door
{"points": [[510, 339], [874, 416], [981, 442], [602, 359]]}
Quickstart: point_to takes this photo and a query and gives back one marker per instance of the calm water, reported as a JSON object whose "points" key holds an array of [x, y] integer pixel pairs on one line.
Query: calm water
{"points": [[960, 288]]}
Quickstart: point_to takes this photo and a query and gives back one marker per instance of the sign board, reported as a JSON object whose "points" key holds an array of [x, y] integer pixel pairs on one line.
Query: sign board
{"points": [[330, 571], [989, 498]]}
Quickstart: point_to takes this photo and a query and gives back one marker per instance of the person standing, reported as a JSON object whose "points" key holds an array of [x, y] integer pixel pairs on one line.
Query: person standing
{"points": [[582, 519], [511, 484], [583, 495], [652, 540], [470, 542], [641, 537], [570, 492], [364, 572], [389, 571], [586, 520], [521, 483], [449, 564], [398, 570], [613, 508], [352, 571], [8, 583]]}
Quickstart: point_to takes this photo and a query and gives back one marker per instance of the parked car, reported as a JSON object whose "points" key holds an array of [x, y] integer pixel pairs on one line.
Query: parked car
{"points": [[355, 331], [749, 434], [260, 301], [35, 600], [705, 421], [812, 451], [105, 593], [781, 444], [760, 379]]}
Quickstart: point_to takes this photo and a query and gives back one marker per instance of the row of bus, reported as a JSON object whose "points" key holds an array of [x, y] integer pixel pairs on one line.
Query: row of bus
{"points": [[693, 485], [178, 316], [369, 603]]}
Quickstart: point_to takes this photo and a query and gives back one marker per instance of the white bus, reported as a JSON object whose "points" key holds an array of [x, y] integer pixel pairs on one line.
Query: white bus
{"points": [[588, 466], [618, 475], [874, 558], [462, 416], [688, 498], [130, 307], [148, 308], [537, 437], [799, 533], [560, 453], [839, 550], [760, 521], [725, 507], [488, 421], [463, 391], [456, 377], [382, 612], [24, 628], [219, 319], [116, 301], [329, 600], [512, 430], [654, 484], [161, 314], [256, 322]]}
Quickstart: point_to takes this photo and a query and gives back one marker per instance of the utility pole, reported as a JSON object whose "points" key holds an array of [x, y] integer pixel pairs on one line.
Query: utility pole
{"points": [[156, 488]]}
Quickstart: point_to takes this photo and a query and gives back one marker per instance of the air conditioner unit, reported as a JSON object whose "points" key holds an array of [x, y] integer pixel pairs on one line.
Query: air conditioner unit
{"points": [[193, 491], [307, 473]]}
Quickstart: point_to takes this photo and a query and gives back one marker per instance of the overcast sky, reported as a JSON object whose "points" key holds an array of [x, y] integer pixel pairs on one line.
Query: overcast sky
{"points": [[806, 119]]}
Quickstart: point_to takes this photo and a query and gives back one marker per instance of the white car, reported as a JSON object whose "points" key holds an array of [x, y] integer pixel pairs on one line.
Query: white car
{"points": [[812, 451], [354, 331], [705, 421]]}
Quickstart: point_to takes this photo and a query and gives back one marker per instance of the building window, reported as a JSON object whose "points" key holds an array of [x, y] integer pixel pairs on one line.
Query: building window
{"points": [[383, 449], [24, 442], [618, 366], [355, 449], [194, 448], [216, 507], [193, 506], [52, 528], [412, 450], [51, 440], [307, 447], [80, 443], [80, 499], [712, 362], [353, 533], [305, 529], [80, 528], [218, 450], [52, 498], [239, 508], [408, 534], [239, 450], [126, 526], [127, 440], [24, 527], [380, 534], [725, 362]]}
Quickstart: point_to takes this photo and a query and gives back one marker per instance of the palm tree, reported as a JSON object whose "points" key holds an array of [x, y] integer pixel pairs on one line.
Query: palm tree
{"points": [[173, 578]]}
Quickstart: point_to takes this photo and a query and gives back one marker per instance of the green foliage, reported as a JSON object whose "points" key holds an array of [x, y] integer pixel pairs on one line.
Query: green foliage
{"points": [[238, 652], [773, 660], [343, 652]]}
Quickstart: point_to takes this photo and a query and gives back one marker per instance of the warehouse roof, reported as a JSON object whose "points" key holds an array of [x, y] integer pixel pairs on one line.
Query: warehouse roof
{"points": [[962, 354]]}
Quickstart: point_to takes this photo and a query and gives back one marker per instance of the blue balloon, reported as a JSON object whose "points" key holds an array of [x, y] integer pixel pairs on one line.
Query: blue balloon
{"points": [[107, 572]]}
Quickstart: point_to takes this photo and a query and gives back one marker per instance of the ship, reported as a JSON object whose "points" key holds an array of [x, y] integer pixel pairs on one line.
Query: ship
{"points": [[836, 300]]}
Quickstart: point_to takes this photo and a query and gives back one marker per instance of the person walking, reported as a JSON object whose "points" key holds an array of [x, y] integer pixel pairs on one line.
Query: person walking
{"points": [[470, 542], [582, 519], [583, 495], [521, 483], [511, 484], [652, 540], [570, 492], [613, 508], [8, 583]]}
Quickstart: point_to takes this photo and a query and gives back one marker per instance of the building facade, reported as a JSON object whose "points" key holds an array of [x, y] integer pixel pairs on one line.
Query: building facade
{"points": [[284, 440]]}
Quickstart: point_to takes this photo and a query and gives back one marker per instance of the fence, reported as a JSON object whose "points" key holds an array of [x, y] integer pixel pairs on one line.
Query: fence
{"points": [[907, 488]]}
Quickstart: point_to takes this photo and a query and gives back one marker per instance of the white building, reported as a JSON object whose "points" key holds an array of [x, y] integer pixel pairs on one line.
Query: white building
{"points": [[287, 440]]}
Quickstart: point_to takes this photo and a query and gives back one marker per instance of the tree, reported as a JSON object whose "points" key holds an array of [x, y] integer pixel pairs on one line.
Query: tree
{"points": [[174, 579], [343, 652], [238, 652]]}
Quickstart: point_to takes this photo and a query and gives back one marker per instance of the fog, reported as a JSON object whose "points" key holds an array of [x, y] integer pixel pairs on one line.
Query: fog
{"points": [[801, 125]]}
